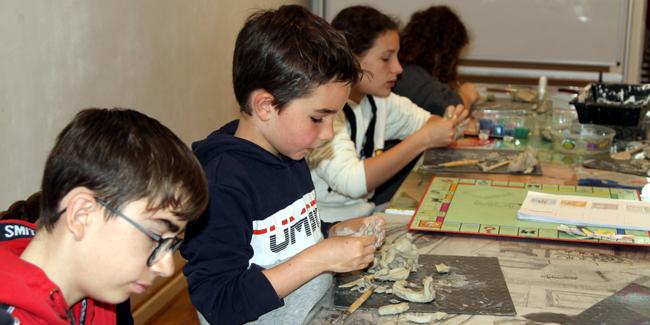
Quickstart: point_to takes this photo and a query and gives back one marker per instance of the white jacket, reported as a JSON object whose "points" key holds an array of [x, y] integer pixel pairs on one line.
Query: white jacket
{"points": [[337, 169]]}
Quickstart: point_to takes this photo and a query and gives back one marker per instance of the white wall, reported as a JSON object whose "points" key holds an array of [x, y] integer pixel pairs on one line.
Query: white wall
{"points": [[170, 59], [551, 31], [566, 32]]}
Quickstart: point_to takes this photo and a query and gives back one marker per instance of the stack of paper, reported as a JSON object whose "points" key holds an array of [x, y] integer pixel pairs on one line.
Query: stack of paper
{"points": [[585, 211]]}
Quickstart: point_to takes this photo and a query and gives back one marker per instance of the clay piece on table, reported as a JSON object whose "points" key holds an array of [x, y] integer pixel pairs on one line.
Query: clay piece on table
{"points": [[442, 268], [393, 309], [524, 95], [495, 160], [359, 281], [427, 294], [363, 285], [396, 274], [374, 228], [394, 262], [383, 289], [424, 318], [402, 253], [524, 162]]}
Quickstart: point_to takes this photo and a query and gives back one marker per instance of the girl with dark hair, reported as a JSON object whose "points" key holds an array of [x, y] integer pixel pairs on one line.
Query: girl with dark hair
{"points": [[431, 44], [347, 170]]}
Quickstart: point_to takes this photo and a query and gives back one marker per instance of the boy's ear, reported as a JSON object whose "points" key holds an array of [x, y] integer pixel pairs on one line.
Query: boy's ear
{"points": [[262, 104], [79, 204]]}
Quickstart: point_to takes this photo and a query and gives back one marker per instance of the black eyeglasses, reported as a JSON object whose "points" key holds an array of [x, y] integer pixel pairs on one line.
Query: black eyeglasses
{"points": [[163, 245]]}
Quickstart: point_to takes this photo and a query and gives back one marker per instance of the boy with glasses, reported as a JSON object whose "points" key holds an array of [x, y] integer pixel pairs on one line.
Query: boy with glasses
{"points": [[117, 189]]}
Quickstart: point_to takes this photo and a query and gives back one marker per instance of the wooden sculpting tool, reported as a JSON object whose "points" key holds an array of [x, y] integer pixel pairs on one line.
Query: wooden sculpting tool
{"points": [[354, 306], [487, 168], [459, 163]]}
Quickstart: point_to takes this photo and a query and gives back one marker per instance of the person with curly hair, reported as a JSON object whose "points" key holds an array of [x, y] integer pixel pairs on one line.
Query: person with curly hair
{"points": [[430, 47]]}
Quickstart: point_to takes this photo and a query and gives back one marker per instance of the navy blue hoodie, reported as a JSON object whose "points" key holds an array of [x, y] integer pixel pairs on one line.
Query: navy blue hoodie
{"points": [[262, 211]]}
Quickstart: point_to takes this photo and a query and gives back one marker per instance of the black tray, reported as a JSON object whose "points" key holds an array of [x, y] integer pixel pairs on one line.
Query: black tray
{"points": [[612, 104]]}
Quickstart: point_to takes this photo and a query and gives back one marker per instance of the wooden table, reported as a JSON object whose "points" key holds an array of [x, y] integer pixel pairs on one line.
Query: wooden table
{"points": [[548, 280], [553, 280]]}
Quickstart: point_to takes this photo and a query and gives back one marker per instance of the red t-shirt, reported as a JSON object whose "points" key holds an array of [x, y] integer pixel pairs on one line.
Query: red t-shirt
{"points": [[31, 296]]}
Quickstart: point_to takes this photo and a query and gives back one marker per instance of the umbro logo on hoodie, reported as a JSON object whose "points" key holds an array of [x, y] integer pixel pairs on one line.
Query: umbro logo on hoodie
{"points": [[287, 232]]}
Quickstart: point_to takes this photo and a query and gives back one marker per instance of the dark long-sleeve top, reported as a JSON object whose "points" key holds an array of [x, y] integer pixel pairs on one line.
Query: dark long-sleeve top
{"points": [[261, 212], [425, 90]]}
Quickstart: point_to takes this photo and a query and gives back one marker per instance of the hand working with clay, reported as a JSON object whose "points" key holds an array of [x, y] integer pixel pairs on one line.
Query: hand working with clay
{"points": [[360, 227], [439, 132], [350, 246]]}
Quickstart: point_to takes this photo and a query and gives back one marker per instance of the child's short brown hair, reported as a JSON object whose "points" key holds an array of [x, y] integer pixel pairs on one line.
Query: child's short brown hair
{"points": [[289, 52], [122, 156]]}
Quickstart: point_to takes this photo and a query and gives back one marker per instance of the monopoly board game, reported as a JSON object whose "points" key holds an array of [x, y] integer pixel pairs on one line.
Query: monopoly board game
{"points": [[486, 207]]}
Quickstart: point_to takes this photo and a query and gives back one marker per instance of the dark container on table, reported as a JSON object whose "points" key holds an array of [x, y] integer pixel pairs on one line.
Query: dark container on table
{"points": [[612, 104]]}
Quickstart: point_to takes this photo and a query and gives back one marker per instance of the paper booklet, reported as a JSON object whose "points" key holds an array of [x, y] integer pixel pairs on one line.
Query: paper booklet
{"points": [[585, 211]]}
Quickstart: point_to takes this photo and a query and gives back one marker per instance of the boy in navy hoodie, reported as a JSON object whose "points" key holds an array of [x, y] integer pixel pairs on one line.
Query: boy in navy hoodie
{"points": [[259, 251]]}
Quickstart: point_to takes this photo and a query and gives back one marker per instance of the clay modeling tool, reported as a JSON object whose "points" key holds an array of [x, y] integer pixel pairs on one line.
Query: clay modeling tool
{"points": [[354, 306], [459, 163], [524, 95], [486, 168]]}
